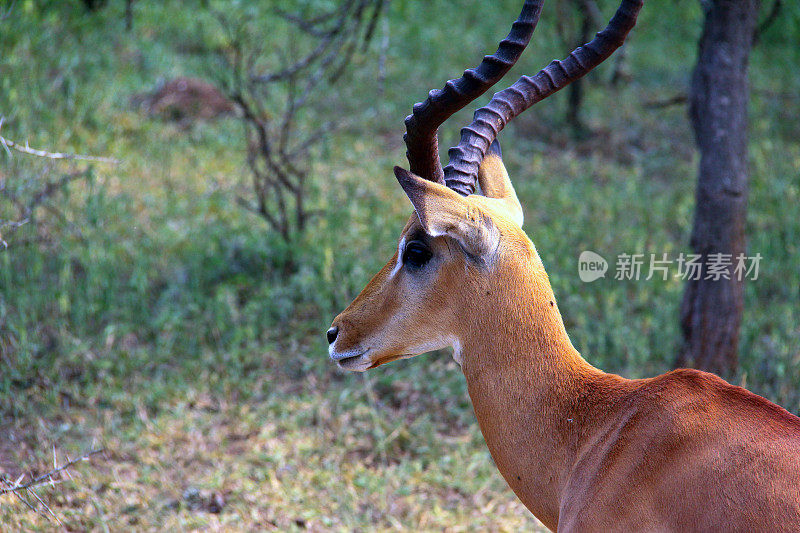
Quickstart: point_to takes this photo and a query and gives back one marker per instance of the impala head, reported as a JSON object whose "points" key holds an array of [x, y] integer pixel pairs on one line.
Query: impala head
{"points": [[451, 246], [458, 248]]}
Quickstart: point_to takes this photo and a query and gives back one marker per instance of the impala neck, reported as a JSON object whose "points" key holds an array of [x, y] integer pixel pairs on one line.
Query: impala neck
{"points": [[526, 382]]}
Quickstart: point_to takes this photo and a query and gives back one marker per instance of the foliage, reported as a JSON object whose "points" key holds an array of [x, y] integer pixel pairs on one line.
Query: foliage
{"points": [[171, 330], [280, 88]]}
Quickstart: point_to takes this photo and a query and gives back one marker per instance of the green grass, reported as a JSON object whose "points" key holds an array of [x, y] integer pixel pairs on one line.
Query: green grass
{"points": [[164, 322]]}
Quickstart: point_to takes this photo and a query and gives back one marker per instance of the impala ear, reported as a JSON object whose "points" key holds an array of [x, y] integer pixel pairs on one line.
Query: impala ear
{"points": [[442, 211], [495, 183]]}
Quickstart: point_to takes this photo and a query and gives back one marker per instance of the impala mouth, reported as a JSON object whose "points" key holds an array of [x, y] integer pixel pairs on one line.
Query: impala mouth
{"points": [[357, 362], [348, 363], [360, 362]]}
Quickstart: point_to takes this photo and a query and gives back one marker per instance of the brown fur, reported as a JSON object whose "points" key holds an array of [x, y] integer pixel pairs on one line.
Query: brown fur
{"points": [[584, 450]]}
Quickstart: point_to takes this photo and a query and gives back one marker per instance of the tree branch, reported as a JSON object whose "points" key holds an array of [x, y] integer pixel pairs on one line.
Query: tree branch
{"points": [[55, 155], [48, 477]]}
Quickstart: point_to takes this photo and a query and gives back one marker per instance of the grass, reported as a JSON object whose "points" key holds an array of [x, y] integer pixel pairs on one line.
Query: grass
{"points": [[161, 321]]}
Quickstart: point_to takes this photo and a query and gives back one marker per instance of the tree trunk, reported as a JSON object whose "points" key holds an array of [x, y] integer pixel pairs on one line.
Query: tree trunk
{"points": [[575, 95], [711, 311], [128, 15], [589, 18]]}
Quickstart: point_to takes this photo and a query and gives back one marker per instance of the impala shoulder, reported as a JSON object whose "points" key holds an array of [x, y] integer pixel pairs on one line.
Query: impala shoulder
{"points": [[707, 395]]}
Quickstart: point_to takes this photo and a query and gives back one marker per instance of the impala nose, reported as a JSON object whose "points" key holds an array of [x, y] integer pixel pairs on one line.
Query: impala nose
{"points": [[332, 333]]}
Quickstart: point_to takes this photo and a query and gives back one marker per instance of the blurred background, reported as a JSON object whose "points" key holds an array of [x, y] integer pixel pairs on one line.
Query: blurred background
{"points": [[167, 303]]}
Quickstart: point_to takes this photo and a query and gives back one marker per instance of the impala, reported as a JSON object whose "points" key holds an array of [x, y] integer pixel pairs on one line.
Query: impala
{"points": [[584, 450]]}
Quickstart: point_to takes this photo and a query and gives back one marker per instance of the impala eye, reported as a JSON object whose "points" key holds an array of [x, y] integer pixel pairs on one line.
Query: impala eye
{"points": [[416, 254]]}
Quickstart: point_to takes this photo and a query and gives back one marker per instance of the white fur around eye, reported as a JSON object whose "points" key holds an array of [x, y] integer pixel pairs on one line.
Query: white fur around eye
{"points": [[400, 248]]}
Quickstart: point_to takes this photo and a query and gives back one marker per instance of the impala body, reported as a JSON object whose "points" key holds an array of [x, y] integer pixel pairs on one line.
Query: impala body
{"points": [[584, 450]]}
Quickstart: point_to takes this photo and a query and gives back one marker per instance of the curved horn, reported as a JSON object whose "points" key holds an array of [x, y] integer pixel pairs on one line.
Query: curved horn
{"points": [[426, 117], [461, 173]]}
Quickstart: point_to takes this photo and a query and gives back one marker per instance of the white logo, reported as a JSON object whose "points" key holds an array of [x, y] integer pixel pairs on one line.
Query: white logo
{"points": [[591, 266]]}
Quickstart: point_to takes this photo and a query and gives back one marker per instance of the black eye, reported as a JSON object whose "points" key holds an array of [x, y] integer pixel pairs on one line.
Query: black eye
{"points": [[416, 254]]}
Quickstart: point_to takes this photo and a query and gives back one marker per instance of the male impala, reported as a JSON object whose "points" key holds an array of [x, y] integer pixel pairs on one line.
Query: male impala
{"points": [[584, 450]]}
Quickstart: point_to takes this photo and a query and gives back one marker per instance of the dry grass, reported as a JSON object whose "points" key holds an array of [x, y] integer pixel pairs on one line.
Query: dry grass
{"points": [[214, 463]]}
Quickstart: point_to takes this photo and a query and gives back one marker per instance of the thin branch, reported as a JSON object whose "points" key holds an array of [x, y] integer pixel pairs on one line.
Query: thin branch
{"points": [[4, 15], [373, 23], [53, 186], [322, 130], [678, 99], [308, 25], [341, 32], [56, 155], [47, 507], [260, 211], [297, 66], [45, 478], [276, 140], [13, 223], [771, 17], [26, 502], [382, 53]]}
